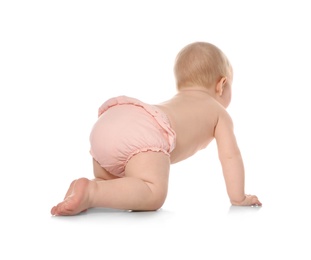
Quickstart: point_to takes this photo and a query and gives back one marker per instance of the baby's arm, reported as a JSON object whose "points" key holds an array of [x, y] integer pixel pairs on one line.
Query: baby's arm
{"points": [[231, 162]]}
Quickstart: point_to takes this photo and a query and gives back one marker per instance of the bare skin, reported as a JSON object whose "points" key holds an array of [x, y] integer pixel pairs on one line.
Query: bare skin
{"points": [[76, 199], [197, 115], [211, 121], [143, 188]]}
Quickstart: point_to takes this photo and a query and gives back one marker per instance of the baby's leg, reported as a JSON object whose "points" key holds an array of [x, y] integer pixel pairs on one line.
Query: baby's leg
{"points": [[144, 187]]}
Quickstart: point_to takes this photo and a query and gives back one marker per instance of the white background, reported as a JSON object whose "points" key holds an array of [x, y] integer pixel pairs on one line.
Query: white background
{"points": [[60, 60]]}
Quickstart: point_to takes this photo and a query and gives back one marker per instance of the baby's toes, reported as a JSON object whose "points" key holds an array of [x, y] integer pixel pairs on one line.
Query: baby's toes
{"points": [[53, 210]]}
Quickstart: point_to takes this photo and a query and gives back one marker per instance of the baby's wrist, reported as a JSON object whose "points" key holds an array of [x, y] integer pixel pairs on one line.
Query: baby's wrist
{"points": [[238, 201]]}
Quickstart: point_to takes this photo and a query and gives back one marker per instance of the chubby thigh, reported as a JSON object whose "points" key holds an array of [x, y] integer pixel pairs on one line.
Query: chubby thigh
{"points": [[143, 187], [153, 169]]}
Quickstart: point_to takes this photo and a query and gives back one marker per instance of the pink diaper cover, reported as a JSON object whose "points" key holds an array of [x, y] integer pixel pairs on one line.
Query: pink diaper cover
{"points": [[126, 127]]}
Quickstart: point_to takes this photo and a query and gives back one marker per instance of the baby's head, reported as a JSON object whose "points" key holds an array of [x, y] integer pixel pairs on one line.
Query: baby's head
{"points": [[201, 64]]}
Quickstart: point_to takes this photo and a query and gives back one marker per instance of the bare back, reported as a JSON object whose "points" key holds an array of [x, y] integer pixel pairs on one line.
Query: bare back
{"points": [[194, 115]]}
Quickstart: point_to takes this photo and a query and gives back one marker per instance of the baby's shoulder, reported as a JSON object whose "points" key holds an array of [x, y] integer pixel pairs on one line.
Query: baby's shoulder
{"points": [[211, 106], [224, 120]]}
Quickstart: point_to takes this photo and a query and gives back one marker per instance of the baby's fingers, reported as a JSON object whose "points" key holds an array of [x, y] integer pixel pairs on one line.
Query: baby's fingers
{"points": [[249, 200], [253, 200]]}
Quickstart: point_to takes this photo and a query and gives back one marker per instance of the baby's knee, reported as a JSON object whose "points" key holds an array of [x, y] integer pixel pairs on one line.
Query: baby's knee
{"points": [[157, 199]]}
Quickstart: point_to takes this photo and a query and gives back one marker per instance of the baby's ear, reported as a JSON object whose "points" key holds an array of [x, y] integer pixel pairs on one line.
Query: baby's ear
{"points": [[220, 85], [224, 81]]}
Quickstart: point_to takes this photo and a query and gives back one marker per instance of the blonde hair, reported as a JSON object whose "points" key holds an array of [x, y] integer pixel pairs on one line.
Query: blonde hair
{"points": [[200, 64]]}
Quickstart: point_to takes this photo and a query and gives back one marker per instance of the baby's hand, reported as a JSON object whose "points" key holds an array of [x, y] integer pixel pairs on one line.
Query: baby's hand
{"points": [[250, 200]]}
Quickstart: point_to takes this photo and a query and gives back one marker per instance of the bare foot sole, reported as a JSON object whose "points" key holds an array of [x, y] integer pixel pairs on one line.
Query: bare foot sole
{"points": [[75, 201], [69, 191]]}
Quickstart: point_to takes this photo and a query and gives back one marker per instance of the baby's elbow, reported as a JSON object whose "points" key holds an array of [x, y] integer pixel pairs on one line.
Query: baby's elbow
{"points": [[232, 155]]}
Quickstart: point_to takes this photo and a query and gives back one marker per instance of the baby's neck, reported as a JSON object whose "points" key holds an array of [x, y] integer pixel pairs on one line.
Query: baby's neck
{"points": [[194, 90]]}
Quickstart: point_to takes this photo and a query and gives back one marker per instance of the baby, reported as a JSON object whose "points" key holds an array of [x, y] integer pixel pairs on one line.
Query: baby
{"points": [[133, 143]]}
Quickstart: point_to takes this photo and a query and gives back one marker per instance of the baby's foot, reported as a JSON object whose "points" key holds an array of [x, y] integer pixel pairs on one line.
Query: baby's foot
{"points": [[76, 199]]}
